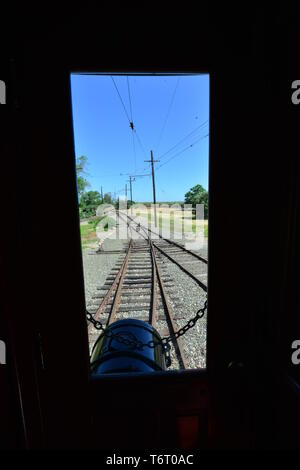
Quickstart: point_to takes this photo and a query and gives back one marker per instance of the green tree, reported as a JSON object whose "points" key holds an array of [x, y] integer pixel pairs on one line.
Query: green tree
{"points": [[198, 195], [129, 203], [89, 201], [82, 183], [107, 199]]}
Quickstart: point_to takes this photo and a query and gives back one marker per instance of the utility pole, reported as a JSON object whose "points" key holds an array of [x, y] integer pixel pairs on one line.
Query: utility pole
{"points": [[102, 194], [153, 181], [130, 181], [126, 196]]}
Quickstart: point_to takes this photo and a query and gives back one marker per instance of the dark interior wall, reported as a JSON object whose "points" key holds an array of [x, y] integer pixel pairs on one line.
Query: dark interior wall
{"points": [[259, 318], [254, 174]]}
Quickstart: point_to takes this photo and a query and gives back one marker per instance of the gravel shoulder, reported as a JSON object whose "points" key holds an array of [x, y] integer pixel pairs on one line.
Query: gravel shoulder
{"points": [[97, 267], [192, 298]]}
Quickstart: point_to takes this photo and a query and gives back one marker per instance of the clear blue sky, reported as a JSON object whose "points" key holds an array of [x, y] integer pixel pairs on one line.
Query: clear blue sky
{"points": [[165, 110]]}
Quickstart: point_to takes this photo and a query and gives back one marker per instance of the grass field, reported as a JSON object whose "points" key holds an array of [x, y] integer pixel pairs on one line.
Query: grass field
{"points": [[174, 220], [170, 220], [88, 231]]}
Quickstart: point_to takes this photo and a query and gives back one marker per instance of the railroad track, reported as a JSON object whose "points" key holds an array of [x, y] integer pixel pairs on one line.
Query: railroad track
{"points": [[138, 288], [186, 260]]}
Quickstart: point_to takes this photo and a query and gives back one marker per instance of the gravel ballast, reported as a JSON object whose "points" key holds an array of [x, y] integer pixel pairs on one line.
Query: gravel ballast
{"points": [[192, 298], [189, 298]]}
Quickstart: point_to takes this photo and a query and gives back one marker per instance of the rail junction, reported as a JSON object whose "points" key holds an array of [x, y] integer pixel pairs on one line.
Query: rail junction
{"points": [[139, 287]]}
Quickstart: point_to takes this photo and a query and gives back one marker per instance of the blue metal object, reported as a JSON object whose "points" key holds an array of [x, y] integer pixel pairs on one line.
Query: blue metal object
{"points": [[112, 356]]}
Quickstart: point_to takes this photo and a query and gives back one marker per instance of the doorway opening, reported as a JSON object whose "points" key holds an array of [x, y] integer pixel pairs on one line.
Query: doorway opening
{"points": [[142, 160]]}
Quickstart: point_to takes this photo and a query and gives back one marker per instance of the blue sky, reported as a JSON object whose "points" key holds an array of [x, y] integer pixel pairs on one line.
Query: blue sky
{"points": [[166, 110]]}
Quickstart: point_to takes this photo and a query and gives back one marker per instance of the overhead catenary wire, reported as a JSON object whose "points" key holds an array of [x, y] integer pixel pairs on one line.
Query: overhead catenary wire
{"points": [[183, 144], [192, 134], [167, 115], [182, 151], [137, 171], [140, 143], [131, 124], [120, 191], [129, 99], [134, 151], [125, 110], [195, 131]]}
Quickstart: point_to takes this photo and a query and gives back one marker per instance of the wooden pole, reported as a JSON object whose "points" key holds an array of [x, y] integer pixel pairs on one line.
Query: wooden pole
{"points": [[153, 181]]}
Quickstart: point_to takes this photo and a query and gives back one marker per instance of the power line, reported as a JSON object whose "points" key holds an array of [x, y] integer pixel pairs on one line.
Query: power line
{"points": [[130, 121], [144, 168], [119, 190], [191, 134], [182, 151], [153, 182], [140, 143], [132, 125], [168, 112], [121, 99], [134, 152], [183, 144], [129, 98], [184, 138]]}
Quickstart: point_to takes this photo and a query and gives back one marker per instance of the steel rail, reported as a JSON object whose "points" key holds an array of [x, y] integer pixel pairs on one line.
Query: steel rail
{"points": [[117, 296], [204, 260], [172, 242], [169, 314], [185, 270], [110, 304], [153, 312], [108, 295], [203, 286], [112, 298]]}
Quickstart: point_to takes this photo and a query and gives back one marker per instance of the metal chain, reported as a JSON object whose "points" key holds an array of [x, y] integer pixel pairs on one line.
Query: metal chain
{"points": [[151, 344]]}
